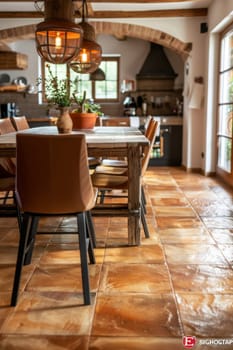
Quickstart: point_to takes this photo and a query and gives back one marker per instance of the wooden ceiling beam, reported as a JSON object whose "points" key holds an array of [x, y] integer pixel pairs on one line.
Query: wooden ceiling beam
{"points": [[116, 14], [126, 1], [136, 1], [151, 14]]}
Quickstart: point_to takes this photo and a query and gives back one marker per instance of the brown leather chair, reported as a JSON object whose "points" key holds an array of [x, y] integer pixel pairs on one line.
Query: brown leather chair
{"points": [[20, 123], [107, 181], [53, 178]]}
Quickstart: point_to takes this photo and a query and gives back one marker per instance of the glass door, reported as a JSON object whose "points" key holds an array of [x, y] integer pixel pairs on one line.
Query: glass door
{"points": [[225, 109]]}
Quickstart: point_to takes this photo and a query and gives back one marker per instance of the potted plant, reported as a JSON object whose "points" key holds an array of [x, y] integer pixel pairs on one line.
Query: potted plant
{"points": [[85, 113], [57, 94]]}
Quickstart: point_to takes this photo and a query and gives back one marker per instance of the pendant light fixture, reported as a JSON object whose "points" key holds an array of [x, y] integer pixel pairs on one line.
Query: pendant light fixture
{"points": [[97, 75], [58, 38], [89, 56]]}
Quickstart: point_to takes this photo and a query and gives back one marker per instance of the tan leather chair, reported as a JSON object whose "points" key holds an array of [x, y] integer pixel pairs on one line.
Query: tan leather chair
{"points": [[20, 123], [106, 181], [7, 165], [120, 167], [112, 164], [53, 178], [6, 126]]}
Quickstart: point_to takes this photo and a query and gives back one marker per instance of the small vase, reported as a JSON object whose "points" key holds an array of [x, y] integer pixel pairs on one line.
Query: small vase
{"points": [[64, 121]]}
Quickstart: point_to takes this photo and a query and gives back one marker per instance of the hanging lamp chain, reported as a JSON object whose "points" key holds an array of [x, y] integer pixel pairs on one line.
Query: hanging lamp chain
{"points": [[84, 10]]}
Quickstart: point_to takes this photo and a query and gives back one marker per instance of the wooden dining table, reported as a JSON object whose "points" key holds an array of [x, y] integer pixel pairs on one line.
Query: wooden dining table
{"points": [[105, 142]]}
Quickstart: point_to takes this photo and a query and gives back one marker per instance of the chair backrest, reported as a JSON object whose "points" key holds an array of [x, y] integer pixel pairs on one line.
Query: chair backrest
{"points": [[20, 123], [7, 165], [147, 125], [52, 175], [6, 126], [150, 134]]}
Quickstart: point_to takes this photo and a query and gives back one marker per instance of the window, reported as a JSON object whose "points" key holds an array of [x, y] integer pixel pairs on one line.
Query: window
{"points": [[225, 106], [101, 91]]}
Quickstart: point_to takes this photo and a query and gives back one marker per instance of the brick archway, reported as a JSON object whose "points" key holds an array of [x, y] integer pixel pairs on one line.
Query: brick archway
{"points": [[144, 33], [119, 29]]}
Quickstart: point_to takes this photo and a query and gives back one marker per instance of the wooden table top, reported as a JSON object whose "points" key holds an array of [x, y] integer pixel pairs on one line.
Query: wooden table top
{"points": [[99, 137]]}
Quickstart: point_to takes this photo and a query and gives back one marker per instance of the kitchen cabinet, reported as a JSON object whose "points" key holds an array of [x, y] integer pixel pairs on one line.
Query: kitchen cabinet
{"points": [[167, 150]]}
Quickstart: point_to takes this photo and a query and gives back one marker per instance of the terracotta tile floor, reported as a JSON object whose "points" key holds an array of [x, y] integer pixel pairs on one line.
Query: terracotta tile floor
{"points": [[178, 282]]}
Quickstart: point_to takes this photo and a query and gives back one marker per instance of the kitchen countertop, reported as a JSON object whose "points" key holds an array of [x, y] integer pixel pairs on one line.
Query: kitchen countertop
{"points": [[163, 120], [169, 120], [49, 120]]}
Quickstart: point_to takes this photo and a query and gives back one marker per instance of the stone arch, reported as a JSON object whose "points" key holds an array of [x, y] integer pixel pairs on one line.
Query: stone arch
{"points": [[121, 29], [144, 33]]}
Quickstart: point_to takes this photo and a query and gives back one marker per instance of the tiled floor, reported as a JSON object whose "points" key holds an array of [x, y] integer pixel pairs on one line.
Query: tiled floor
{"points": [[178, 282]]}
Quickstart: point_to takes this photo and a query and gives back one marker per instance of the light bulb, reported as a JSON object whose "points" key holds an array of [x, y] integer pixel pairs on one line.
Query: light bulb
{"points": [[84, 56], [58, 41]]}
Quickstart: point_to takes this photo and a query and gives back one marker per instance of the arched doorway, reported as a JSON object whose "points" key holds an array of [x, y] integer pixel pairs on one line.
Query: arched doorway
{"points": [[120, 29]]}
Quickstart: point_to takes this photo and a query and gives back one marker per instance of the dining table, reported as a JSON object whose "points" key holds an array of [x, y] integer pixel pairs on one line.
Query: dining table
{"points": [[105, 142]]}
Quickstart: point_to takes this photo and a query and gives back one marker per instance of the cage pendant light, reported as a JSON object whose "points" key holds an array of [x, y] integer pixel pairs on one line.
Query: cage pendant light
{"points": [[97, 75], [89, 56], [58, 38]]}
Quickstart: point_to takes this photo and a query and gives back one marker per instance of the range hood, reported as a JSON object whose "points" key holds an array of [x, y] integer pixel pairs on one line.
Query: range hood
{"points": [[156, 72]]}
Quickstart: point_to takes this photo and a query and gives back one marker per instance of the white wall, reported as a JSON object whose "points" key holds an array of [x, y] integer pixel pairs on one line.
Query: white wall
{"points": [[31, 73], [132, 52], [220, 14]]}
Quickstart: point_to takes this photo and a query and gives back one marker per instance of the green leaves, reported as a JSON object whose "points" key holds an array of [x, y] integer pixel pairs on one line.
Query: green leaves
{"points": [[57, 90]]}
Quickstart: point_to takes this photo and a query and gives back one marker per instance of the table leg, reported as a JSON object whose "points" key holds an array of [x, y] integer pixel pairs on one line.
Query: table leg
{"points": [[134, 193]]}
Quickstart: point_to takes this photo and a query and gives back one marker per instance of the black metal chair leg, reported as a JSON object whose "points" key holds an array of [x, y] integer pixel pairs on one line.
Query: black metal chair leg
{"points": [[7, 195], [91, 253], [144, 224], [83, 256], [102, 195], [24, 233], [91, 229], [143, 198], [31, 239], [19, 214]]}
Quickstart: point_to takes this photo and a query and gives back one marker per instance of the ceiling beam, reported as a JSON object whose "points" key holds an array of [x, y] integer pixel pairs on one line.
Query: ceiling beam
{"points": [[134, 1], [116, 14], [21, 14], [151, 14], [126, 1]]}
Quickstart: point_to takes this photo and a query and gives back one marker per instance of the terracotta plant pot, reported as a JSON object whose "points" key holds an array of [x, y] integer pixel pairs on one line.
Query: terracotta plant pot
{"points": [[83, 120]]}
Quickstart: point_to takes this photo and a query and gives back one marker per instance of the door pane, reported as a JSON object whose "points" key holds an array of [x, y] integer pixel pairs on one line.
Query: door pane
{"points": [[225, 107], [226, 87], [227, 51], [225, 120], [224, 152]]}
